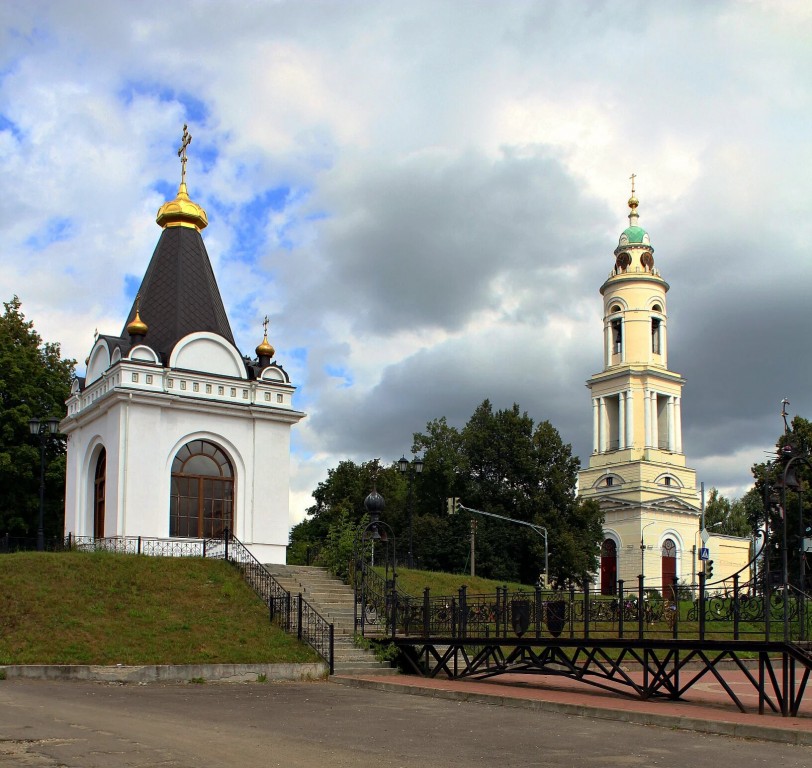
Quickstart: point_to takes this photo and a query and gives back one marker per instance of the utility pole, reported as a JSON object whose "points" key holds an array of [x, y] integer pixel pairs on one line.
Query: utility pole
{"points": [[473, 547]]}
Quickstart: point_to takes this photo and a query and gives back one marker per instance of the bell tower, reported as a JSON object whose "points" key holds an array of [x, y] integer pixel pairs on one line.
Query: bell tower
{"points": [[637, 468]]}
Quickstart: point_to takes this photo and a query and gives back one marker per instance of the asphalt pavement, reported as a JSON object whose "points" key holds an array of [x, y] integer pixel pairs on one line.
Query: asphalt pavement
{"points": [[55, 723]]}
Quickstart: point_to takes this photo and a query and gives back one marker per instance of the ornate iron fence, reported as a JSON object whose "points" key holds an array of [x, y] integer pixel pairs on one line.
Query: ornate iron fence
{"points": [[649, 611]]}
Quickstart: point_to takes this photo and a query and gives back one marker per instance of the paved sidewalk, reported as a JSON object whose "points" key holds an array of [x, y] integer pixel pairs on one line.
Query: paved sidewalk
{"points": [[705, 709]]}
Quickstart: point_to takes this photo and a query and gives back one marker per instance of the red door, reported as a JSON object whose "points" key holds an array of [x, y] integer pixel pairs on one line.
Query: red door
{"points": [[669, 568], [609, 567]]}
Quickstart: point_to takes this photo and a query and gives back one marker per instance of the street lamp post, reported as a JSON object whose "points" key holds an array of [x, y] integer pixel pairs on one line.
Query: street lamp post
{"points": [[415, 467], [42, 428], [789, 479], [375, 530], [643, 547]]}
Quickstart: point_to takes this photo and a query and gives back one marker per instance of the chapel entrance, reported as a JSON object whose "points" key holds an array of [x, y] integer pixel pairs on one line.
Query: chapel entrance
{"points": [[202, 496], [99, 483], [609, 567]]}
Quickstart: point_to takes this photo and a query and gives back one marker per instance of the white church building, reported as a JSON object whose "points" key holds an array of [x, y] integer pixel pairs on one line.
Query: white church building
{"points": [[172, 432]]}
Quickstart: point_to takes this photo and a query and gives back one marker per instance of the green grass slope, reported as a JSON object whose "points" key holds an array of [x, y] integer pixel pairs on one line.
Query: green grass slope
{"points": [[100, 608]]}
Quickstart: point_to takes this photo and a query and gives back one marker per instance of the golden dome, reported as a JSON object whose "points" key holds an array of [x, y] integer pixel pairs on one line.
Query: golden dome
{"points": [[182, 212], [137, 327], [265, 349], [633, 202]]}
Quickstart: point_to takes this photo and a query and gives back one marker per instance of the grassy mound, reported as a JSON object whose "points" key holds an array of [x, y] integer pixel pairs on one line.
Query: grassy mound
{"points": [[413, 582], [101, 608]]}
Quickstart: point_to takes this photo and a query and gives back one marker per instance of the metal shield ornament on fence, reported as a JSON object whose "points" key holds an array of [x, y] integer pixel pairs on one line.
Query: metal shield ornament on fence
{"points": [[520, 616], [556, 616]]}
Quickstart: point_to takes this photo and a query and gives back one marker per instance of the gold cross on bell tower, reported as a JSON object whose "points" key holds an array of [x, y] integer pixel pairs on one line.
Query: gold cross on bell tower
{"points": [[632, 177], [185, 142]]}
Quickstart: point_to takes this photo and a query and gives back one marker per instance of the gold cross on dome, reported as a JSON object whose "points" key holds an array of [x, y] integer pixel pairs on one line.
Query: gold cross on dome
{"points": [[632, 177], [265, 325], [185, 142]]}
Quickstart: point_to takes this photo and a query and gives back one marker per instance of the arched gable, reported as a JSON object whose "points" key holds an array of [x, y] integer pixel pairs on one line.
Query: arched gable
{"points": [[208, 353], [145, 353], [274, 373], [99, 361]]}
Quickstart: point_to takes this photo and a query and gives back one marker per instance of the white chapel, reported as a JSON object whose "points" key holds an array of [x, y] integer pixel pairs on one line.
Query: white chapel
{"points": [[173, 432]]}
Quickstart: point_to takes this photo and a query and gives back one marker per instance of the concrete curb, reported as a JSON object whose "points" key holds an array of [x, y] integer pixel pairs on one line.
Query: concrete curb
{"points": [[694, 724], [168, 673]]}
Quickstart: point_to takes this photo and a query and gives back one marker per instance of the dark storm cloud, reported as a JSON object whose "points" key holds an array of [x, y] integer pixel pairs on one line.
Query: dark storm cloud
{"points": [[420, 244]]}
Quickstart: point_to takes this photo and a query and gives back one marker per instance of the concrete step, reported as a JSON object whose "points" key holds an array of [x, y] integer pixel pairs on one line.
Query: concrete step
{"points": [[335, 601]]}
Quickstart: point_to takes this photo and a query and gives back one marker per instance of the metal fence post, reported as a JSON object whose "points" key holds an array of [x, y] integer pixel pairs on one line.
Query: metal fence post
{"points": [[463, 611], [735, 606], [640, 595], [498, 610], [586, 607], [332, 661], [299, 617], [572, 611], [426, 612], [621, 607], [675, 593], [538, 611], [139, 546], [701, 605]]}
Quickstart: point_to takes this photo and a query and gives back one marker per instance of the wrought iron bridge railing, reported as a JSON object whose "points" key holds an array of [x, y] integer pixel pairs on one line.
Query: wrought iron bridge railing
{"points": [[722, 610], [289, 610]]}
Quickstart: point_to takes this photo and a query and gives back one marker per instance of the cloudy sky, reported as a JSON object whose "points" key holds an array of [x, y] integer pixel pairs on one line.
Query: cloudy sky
{"points": [[425, 198]]}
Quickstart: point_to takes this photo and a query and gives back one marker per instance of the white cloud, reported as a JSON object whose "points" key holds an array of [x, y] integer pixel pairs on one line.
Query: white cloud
{"points": [[456, 177]]}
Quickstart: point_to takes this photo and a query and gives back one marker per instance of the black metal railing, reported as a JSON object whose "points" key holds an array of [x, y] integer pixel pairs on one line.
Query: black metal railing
{"points": [[290, 611], [9, 544], [645, 609]]}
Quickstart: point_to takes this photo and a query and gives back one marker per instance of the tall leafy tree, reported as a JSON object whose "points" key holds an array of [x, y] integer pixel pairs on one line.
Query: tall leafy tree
{"points": [[34, 382], [796, 503], [500, 462], [341, 498], [729, 517]]}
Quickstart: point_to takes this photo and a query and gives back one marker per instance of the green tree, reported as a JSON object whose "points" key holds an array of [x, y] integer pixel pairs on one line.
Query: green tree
{"points": [[501, 463], [34, 382], [795, 444], [340, 502], [727, 517]]}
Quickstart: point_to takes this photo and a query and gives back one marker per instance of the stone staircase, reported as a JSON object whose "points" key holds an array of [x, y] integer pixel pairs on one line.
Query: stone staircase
{"points": [[334, 601]]}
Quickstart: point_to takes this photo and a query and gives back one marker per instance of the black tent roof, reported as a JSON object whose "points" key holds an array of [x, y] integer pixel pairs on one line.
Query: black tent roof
{"points": [[179, 293]]}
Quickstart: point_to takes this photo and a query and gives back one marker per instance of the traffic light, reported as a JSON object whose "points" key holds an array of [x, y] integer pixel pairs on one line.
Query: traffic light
{"points": [[452, 504], [708, 569]]}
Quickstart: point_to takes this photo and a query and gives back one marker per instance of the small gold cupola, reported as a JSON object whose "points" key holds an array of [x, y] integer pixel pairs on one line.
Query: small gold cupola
{"points": [[182, 211], [137, 328], [265, 351]]}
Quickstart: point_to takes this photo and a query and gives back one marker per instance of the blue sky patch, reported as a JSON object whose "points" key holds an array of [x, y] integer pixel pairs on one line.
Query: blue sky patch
{"points": [[55, 230], [131, 285], [339, 372], [195, 110], [11, 127], [252, 233]]}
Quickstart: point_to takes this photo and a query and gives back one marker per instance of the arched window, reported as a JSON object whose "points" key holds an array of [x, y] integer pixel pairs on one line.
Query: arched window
{"points": [[608, 567], [99, 483], [202, 497], [669, 568]]}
